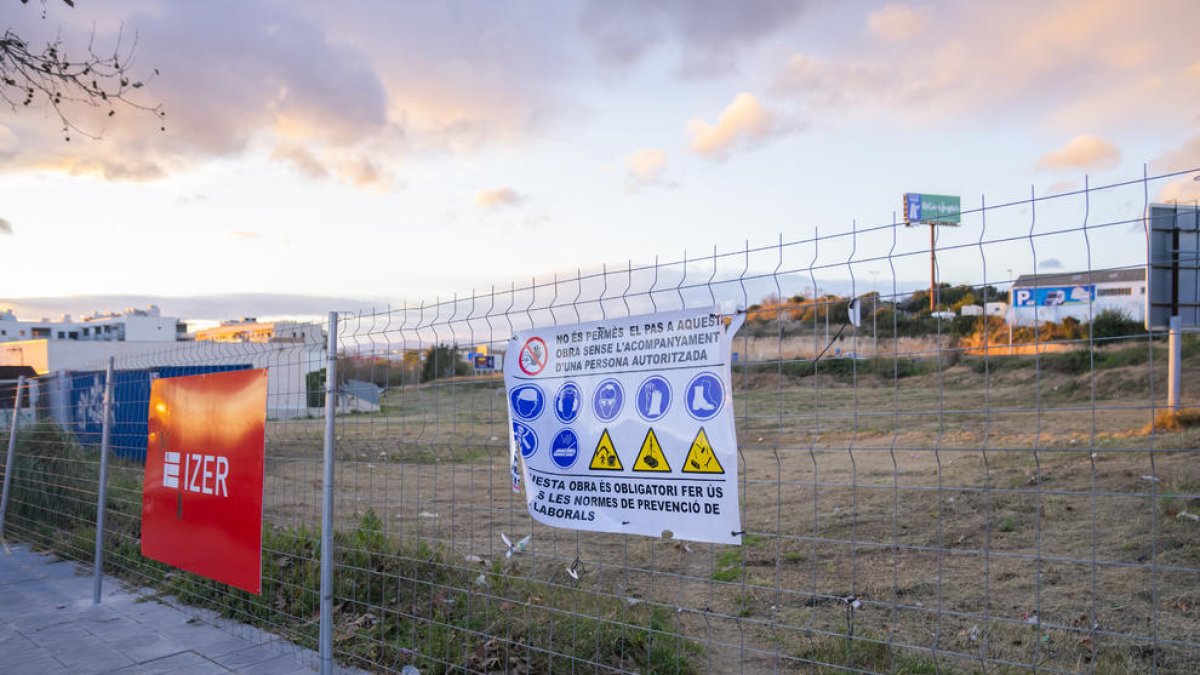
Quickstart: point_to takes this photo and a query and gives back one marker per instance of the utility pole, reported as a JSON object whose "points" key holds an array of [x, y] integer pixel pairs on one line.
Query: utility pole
{"points": [[874, 312], [826, 321], [932, 269], [1012, 310]]}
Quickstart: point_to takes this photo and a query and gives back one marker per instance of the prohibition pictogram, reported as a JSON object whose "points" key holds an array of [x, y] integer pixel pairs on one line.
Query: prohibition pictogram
{"points": [[534, 355]]}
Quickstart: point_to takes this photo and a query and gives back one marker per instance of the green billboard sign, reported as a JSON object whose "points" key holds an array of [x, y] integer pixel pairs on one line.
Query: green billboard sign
{"points": [[932, 209]]}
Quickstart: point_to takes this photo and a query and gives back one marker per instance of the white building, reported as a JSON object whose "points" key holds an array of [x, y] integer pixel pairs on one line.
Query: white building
{"points": [[288, 364], [133, 325], [1038, 298]]}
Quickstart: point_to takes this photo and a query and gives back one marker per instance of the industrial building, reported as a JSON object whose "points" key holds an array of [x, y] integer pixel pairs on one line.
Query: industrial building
{"points": [[1038, 298]]}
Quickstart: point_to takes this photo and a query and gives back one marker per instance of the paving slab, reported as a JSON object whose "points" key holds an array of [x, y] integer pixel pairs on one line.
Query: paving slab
{"points": [[48, 624]]}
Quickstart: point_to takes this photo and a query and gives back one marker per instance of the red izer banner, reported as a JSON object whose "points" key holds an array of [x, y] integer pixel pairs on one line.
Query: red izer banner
{"points": [[202, 495]]}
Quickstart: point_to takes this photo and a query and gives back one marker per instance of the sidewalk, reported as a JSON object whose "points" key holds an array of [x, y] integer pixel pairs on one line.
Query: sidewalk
{"points": [[49, 625]]}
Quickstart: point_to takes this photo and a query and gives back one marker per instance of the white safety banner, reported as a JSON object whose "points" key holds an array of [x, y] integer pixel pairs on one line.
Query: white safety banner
{"points": [[626, 425]]}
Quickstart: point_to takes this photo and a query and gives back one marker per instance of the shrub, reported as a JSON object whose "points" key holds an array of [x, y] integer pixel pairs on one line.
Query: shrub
{"points": [[1113, 323], [442, 361]]}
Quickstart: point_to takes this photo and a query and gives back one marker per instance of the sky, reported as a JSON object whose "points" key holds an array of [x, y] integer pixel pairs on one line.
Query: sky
{"points": [[320, 155]]}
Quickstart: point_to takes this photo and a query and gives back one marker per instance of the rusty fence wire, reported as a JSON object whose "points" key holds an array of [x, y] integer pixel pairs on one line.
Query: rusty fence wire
{"points": [[997, 484]]}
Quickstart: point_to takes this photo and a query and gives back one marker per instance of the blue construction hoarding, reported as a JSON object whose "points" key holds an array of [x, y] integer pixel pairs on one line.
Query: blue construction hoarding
{"points": [[131, 400]]}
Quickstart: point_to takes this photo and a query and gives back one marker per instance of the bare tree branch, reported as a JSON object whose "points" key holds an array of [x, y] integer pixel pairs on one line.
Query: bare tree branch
{"points": [[46, 75]]}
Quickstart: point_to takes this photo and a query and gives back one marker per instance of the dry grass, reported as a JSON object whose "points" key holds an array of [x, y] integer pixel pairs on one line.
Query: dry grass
{"points": [[1174, 420], [953, 503]]}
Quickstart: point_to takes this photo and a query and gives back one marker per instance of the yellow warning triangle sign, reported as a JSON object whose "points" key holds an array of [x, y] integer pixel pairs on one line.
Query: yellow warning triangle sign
{"points": [[605, 457], [701, 458], [651, 458]]}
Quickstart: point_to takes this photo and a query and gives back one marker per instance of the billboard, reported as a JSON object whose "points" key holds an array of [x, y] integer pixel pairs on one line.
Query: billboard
{"points": [[932, 209], [202, 492], [1173, 268], [1053, 296], [131, 391]]}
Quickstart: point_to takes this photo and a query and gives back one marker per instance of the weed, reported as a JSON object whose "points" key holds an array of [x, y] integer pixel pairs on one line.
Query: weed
{"points": [[847, 369], [863, 653], [398, 602], [729, 565], [745, 605]]}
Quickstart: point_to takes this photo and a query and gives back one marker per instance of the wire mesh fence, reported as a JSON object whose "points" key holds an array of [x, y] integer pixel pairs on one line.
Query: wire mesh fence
{"points": [[988, 481]]}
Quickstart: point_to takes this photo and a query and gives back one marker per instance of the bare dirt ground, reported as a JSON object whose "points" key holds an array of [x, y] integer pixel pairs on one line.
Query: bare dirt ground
{"points": [[995, 520]]}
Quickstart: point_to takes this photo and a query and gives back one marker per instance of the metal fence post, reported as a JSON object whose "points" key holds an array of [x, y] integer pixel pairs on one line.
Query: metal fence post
{"points": [[1174, 365], [326, 636], [12, 449], [106, 429]]}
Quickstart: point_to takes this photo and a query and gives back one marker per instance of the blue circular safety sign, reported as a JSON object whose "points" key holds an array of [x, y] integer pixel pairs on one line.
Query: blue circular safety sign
{"points": [[564, 451], [525, 439], [704, 396], [568, 402], [528, 401], [607, 400], [654, 398]]}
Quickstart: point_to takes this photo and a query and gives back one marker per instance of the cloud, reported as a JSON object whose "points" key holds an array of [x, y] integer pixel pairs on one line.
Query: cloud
{"points": [[1082, 152], [357, 171], [497, 198], [385, 79], [365, 173], [1184, 158], [897, 22], [5, 227], [232, 71], [743, 123], [1184, 191], [827, 84], [991, 59], [198, 307], [646, 165], [459, 78], [1050, 264], [1059, 187], [711, 35], [244, 234], [300, 159]]}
